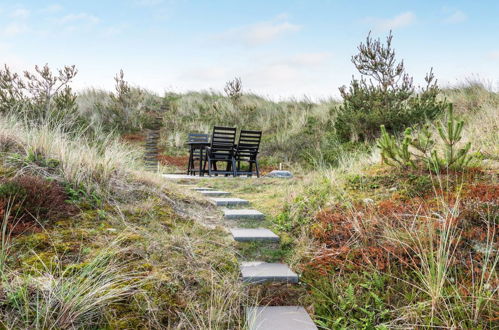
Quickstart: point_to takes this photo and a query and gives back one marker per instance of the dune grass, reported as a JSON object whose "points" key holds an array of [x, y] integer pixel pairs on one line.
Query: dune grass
{"points": [[142, 256], [79, 159]]}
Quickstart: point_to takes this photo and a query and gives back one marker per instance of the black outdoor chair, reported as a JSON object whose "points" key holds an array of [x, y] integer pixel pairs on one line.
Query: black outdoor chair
{"points": [[247, 151], [196, 153], [221, 149]]}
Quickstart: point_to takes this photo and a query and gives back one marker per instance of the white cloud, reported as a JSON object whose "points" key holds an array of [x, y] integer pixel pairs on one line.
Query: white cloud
{"points": [[494, 55], [266, 32], [20, 13], [399, 21], [267, 73], [309, 59], [52, 8], [260, 33], [456, 17], [80, 17], [210, 74], [112, 31], [14, 29]]}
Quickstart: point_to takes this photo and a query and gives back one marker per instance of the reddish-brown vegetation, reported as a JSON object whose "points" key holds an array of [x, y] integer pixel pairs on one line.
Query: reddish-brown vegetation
{"points": [[357, 237], [133, 137], [33, 200], [179, 161]]}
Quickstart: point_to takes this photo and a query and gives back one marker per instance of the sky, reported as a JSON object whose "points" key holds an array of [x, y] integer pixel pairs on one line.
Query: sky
{"points": [[280, 49]]}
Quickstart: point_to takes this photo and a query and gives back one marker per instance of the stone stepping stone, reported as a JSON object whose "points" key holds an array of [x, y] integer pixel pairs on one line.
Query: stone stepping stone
{"points": [[253, 234], [214, 193], [201, 189], [243, 214], [258, 272], [280, 174], [183, 177], [229, 201], [278, 318]]}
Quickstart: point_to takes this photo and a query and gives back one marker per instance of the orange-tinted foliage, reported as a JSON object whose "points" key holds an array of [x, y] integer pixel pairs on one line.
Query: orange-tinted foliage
{"points": [[179, 161], [354, 238], [484, 192], [33, 200], [133, 137]]}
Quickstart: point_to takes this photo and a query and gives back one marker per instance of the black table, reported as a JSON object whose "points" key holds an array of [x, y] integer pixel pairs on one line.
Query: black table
{"points": [[201, 146]]}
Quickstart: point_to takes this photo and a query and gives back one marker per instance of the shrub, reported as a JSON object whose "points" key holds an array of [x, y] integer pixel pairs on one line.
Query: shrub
{"points": [[388, 97], [416, 151], [33, 197], [234, 90], [40, 96]]}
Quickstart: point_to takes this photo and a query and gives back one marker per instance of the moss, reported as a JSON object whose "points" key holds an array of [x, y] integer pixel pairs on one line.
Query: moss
{"points": [[40, 262], [38, 241]]}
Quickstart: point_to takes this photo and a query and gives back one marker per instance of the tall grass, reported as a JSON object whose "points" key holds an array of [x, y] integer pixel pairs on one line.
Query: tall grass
{"points": [[58, 297], [4, 238], [222, 310], [288, 126], [83, 161], [432, 241]]}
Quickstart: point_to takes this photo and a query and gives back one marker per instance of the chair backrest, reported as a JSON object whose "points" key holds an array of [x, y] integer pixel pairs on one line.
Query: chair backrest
{"points": [[249, 143], [223, 138], [197, 137]]}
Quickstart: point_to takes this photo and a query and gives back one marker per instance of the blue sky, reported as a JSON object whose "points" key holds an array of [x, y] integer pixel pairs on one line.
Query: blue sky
{"points": [[280, 49]]}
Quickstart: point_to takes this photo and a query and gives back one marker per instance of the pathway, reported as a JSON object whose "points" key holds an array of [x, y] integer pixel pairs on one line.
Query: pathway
{"points": [[255, 272]]}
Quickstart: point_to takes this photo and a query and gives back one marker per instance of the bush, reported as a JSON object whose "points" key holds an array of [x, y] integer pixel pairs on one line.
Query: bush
{"points": [[41, 96], [33, 197], [387, 98]]}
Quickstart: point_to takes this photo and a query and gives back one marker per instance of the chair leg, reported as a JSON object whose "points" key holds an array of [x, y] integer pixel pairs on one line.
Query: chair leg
{"points": [[228, 168], [234, 169], [189, 164], [209, 167], [257, 170]]}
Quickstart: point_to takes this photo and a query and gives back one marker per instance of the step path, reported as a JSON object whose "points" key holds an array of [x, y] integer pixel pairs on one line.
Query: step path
{"points": [[259, 272], [201, 189], [253, 234], [254, 272], [243, 214], [214, 193], [228, 201], [278, 318]]}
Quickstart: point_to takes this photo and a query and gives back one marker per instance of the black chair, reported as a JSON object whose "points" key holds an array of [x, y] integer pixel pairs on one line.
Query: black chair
{"points": [[247, 151], [221, 149], [196, 152]]}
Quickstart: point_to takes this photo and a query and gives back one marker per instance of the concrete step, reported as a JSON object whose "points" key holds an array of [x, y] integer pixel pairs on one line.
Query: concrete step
{"points": [[259, 272], [278, 318], [214, 193], [201, 188], [183, 177], [229, 201], [253, 234], [243, 214]]}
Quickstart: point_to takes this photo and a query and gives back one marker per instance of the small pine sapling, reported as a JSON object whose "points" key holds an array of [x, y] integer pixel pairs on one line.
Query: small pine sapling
{"points": [[451, 135], [414, 151], [392, 153]]}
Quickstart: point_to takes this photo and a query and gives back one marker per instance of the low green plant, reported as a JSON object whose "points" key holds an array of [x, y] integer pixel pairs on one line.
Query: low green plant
{"points": [[341, 305], [419, 149]]}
